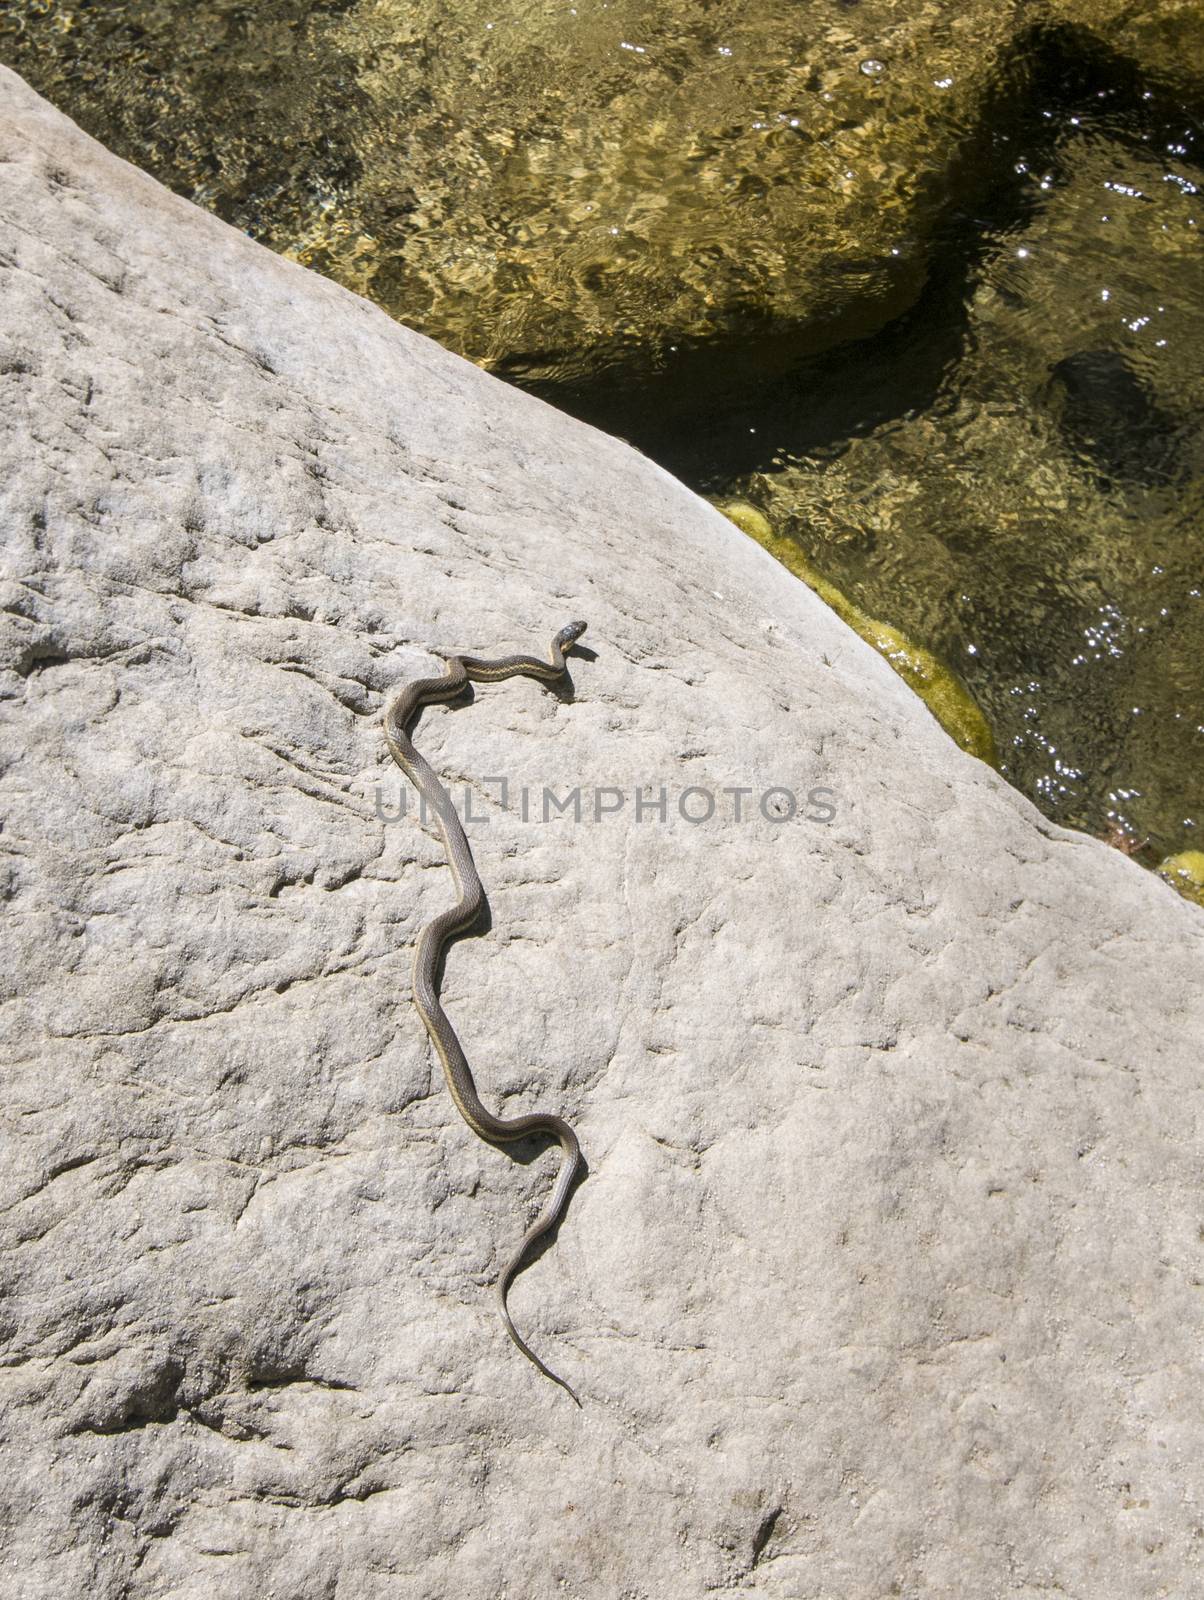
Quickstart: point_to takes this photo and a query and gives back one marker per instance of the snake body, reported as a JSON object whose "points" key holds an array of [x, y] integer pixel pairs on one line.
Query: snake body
{"points": [[459, 671]]}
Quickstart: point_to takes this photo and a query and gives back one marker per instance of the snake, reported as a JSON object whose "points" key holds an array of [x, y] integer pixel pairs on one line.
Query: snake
{"points": [[459, 671]]}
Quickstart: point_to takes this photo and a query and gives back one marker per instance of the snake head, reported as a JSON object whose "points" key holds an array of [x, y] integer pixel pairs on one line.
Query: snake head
{"points": [[569, 635]]}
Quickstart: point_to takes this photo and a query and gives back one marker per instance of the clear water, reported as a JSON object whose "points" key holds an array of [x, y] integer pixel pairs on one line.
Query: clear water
{"points": [[1013, 473]]}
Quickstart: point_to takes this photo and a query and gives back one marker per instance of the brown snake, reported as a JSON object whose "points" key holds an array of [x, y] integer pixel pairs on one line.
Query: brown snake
{"points": [[459, 671]]}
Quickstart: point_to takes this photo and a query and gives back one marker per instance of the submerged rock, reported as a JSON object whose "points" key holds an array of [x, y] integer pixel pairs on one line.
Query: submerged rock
{"points": [[884, 1267], [1185, 872], [1108, 416]]}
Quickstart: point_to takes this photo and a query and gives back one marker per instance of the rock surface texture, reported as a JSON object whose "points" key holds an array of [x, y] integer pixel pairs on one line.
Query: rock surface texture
{"points": [[885, 1278]]}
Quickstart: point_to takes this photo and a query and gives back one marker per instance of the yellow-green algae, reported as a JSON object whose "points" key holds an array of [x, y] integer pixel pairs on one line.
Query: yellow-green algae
{"points": [[937, 686], [1185, 872]]}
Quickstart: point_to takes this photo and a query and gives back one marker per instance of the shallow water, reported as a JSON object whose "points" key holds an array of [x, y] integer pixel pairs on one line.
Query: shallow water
{"points": [[1014, 473], [1009, 471], [1038, 520]]}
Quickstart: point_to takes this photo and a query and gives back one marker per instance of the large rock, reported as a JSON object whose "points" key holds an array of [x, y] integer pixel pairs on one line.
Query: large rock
{"points": [[885, 1277]]}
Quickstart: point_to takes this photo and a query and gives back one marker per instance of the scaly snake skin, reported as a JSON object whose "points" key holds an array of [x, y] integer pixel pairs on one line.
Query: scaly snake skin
{"points": [[459, 671]]}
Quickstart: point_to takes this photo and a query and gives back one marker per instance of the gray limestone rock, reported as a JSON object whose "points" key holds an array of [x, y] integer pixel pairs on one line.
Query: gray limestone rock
{"points": [[885, 1279]]}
